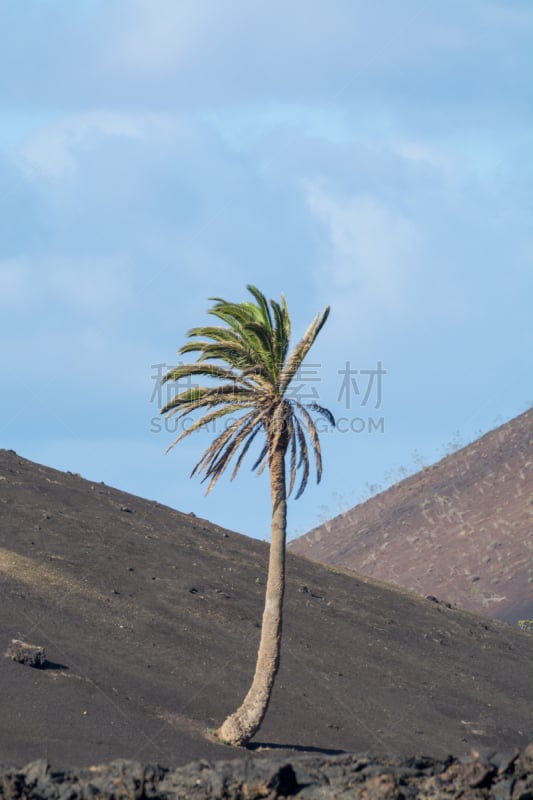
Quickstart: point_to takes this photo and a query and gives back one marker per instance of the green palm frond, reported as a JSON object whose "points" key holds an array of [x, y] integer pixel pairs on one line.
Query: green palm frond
{"points": [[203, 369], [262, 305], [208, 396], [247, 360], [282, 332], [234, 349]]}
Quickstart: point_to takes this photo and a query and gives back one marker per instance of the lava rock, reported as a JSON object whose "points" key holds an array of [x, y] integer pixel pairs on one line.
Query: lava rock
{"points": [[24, 653], [309, 777]]}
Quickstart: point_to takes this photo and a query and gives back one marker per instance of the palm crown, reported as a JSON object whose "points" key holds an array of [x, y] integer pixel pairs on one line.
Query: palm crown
{"points": [[253, 370]]}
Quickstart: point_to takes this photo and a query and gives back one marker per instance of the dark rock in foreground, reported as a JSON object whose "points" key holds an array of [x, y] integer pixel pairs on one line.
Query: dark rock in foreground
{"points": [[502, 776], [24, 653]]}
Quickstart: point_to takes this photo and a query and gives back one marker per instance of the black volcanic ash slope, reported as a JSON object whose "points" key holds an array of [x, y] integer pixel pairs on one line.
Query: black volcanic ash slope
{"points": [[150, 619]]}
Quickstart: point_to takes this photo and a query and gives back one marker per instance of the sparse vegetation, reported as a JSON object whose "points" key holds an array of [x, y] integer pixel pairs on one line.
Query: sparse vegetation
{"points": [[419, 463]]}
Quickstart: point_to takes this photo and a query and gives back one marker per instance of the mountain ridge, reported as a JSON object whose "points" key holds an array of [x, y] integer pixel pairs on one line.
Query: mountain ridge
{"points": [[460, 529]]}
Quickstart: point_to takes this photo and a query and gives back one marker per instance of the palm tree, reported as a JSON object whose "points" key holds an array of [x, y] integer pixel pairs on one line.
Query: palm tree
{"points": [[248, 358]]}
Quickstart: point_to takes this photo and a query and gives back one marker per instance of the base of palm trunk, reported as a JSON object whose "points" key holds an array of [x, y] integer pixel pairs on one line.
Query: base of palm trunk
{"points": [[232, 731]]}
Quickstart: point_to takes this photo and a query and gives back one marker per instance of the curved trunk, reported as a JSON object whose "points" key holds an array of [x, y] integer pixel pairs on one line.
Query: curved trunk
{"points": [[240, 726]]}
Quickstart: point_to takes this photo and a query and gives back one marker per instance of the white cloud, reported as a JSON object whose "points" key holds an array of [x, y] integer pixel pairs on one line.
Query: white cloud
{"points": [[154, 39], [413, 58], [373, 248], [51, 151], [426, 154]]}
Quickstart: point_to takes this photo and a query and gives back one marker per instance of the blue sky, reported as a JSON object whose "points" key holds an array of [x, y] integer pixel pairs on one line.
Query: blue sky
{"points": [[371, 156]]}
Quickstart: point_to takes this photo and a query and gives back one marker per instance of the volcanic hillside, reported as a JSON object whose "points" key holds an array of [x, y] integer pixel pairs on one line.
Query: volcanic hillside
{"points": [[150, 619], [460, 530]]}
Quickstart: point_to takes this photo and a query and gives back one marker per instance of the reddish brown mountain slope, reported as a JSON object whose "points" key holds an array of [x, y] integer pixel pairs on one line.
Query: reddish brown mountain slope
{"points": [[460, 530]]}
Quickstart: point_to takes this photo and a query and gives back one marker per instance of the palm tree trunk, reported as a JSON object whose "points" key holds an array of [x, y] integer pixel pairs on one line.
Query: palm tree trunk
{"points": [[241, 726]]}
